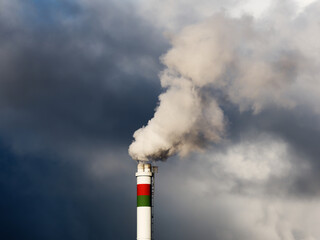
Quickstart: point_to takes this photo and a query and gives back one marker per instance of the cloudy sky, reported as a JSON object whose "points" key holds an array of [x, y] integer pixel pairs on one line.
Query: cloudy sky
{"points": [[79, 77]]}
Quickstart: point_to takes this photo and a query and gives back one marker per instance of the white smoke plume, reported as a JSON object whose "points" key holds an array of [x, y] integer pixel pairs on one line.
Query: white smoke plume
{"points": [[251, 63]]}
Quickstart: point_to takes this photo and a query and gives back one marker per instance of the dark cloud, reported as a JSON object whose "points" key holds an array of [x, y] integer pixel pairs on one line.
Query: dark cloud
{"points": [[296, 128], [51, 199], [73, 81], [72, 78], [77, 78]]}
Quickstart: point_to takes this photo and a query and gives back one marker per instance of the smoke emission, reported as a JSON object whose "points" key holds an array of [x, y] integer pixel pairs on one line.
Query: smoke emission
{"points": [[250, 63]]}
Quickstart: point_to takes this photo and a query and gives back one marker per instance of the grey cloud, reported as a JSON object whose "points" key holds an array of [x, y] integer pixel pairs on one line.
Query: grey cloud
{"points": [[54, 199], [71, 79], [76, 80], [73, 88], [298, 130]]}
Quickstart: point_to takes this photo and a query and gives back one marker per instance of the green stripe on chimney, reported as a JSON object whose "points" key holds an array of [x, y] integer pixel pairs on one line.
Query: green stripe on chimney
{"points": [[144, 201]]}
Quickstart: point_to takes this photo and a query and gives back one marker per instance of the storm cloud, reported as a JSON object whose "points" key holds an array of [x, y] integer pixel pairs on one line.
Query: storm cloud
{"points": [[77, 78], [75, 82], [60, 73]]}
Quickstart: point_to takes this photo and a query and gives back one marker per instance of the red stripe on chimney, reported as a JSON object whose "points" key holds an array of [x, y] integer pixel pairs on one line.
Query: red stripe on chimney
{"points": [[143, 189]]}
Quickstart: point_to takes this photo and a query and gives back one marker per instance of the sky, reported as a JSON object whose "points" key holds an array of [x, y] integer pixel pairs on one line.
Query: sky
{"points": [[79, 77]]}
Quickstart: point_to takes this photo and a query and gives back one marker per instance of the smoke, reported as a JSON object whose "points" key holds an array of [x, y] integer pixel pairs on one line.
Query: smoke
{"points": [[184, 121], [250, 63]]}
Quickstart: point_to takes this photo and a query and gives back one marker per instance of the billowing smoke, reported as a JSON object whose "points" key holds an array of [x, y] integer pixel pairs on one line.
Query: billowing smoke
{"points": [[252, 64], [184, 121]]}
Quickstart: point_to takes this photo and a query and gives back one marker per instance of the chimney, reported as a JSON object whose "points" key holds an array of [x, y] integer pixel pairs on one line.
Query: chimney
{"points": [[145, 191]]}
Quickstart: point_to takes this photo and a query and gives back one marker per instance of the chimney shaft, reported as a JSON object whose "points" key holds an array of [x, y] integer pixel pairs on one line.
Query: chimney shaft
{"points": [[145, 175]]}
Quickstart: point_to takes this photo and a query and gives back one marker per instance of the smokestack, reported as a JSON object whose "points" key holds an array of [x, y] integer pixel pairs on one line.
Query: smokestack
{"points": [[145, 189]]}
